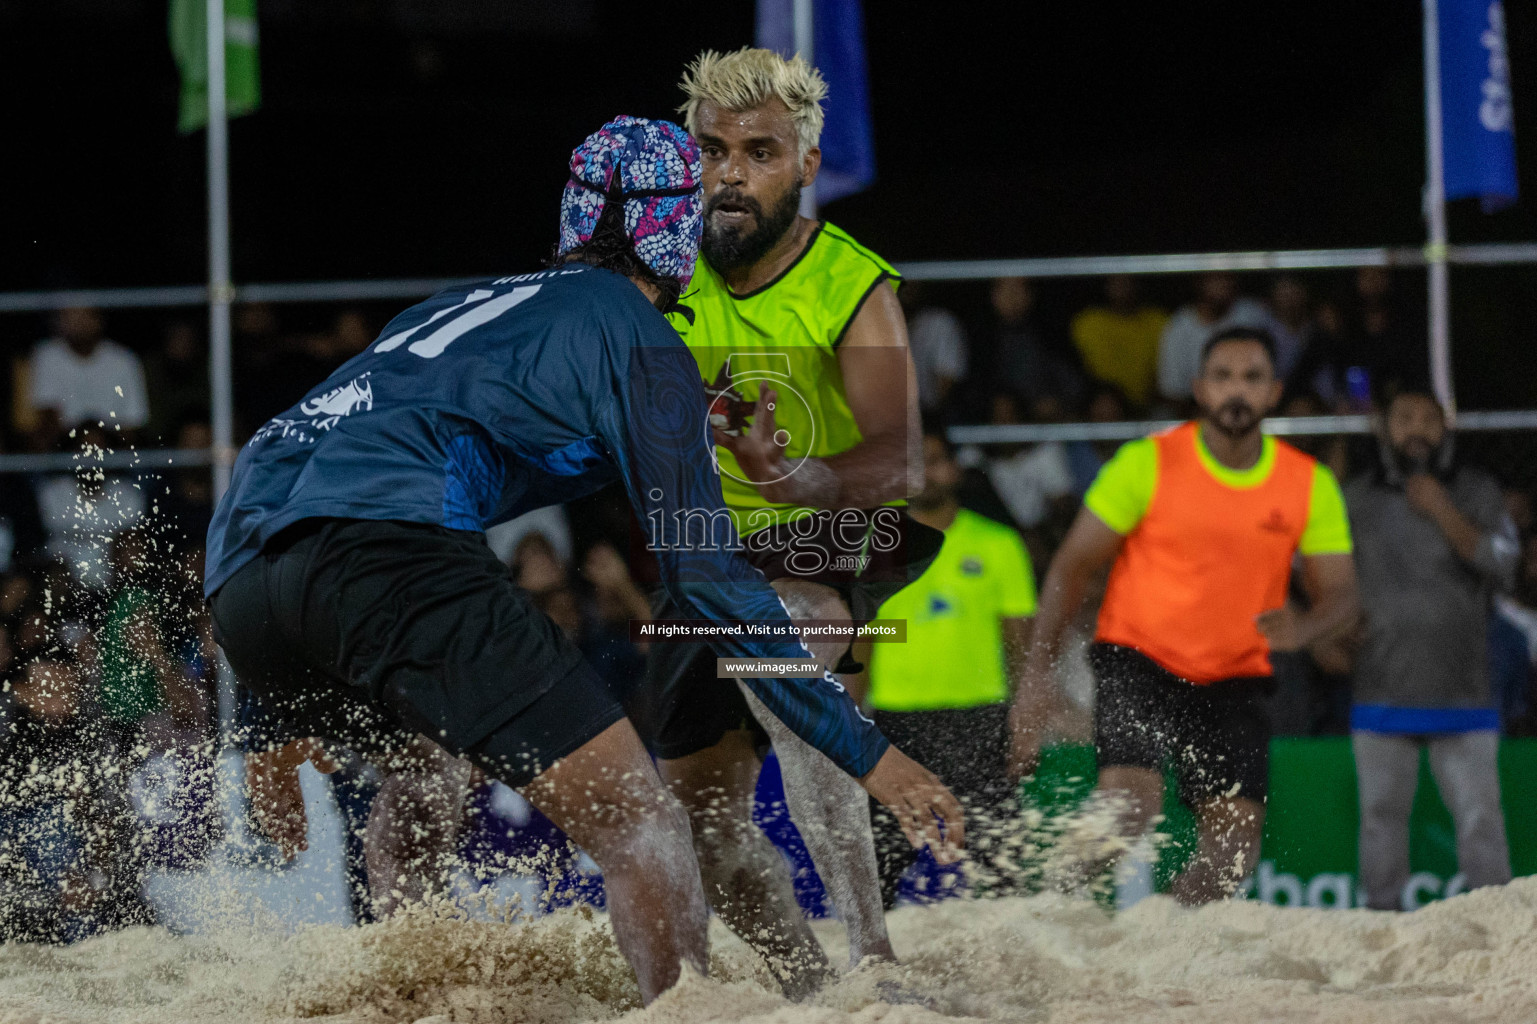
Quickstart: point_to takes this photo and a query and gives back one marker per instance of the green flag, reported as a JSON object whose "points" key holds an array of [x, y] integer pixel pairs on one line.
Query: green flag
{"points": [[242, 72]]}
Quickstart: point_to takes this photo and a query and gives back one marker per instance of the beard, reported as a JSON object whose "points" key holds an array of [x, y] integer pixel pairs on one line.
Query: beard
{"points": [[1235, 418], [1415, 456], [735, 248]]}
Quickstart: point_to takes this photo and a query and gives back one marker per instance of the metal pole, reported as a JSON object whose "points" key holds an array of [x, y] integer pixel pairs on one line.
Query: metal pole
{"points": [[805, 45], [220, 292], [1435, 218], [220, 288]]}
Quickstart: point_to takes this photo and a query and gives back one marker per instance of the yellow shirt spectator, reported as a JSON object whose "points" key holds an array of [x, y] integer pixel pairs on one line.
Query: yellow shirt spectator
{"points": [[1121, 348]]}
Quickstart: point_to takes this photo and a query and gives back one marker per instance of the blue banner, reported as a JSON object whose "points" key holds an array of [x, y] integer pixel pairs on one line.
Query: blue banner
{"points": [[838, 50], [1478, 122]]}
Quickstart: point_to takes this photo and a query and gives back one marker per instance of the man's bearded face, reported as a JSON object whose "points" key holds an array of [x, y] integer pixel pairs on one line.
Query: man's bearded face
{"points": [[1237, 387], [738, 232]]}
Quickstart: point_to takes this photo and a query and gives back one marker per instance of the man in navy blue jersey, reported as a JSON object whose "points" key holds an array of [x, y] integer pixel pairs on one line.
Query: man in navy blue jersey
{"points": [[352, 589]]}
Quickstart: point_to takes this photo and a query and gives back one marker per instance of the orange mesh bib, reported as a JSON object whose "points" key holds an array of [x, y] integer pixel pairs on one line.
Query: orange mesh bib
{"points": [[1205, 560]]}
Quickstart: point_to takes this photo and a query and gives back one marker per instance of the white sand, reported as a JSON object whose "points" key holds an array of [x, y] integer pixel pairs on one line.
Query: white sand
{"points": [[1472, 958]]}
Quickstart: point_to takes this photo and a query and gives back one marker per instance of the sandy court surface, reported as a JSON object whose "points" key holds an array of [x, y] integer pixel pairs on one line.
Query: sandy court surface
{"points": [[1048, 959]]}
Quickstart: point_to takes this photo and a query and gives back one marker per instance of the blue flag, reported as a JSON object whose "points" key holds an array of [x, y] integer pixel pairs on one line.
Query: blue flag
{"points": [[838, 50], [1478, 123]]}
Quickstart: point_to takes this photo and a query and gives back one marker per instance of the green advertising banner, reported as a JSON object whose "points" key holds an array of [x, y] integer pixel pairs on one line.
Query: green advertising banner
{"points": [[1309, 852]]}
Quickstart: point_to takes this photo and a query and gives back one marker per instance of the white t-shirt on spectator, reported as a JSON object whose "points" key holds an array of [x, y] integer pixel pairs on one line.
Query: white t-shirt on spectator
{"points": [[1029, 482], [938, 344], [81, 524], [1179, 351], [88, 388]]}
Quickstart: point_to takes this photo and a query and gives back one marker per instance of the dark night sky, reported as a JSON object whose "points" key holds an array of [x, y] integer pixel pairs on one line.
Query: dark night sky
{"points": [[1002, 129], [395, 141]]}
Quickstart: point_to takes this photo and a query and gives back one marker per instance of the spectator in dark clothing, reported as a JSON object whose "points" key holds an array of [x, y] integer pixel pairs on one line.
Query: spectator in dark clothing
{"points": [[307, 358], [1322, 366], [1367, 351], [1292, 324], [1106, 404], [22, 536], [937, 340], [1510, 669], [1515, 669], [1381, 337], [1024, 361], [178, 379], [616, 599], [186, 495], [49, 887], [263, 381], [1433, 547]]}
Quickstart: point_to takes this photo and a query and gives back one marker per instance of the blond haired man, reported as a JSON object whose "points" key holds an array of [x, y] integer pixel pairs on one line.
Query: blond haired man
{"points": [[802, 346]]}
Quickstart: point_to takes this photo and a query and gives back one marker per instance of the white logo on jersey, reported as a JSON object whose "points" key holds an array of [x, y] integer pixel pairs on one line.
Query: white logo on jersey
{"points": [[357, 393], [325, 412]]}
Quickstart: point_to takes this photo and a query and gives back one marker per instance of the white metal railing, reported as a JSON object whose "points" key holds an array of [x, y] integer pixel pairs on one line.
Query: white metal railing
{"points": [[1403, 256], [150, 459], [154, 459], [1297, 426]]}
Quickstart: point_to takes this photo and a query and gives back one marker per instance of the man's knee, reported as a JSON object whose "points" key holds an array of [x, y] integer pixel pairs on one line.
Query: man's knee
{"points": [[1385, 801], [648, 831], [1479, 815]]}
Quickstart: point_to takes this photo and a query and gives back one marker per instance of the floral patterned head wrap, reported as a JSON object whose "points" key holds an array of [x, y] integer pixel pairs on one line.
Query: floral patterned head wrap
{"points": [[652, 167]]}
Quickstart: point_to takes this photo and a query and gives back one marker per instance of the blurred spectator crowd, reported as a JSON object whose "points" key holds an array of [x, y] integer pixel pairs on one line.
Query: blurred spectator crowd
{"points": [[108, 689], [109, 698], [1344, 345]]}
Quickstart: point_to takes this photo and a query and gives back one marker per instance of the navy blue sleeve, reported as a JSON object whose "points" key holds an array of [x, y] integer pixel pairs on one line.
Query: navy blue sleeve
{"points": [[655, 430]]}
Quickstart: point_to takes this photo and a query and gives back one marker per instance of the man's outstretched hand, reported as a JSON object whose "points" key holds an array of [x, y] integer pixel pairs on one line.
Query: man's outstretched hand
{"points": [[760, 449], [928, 813]]}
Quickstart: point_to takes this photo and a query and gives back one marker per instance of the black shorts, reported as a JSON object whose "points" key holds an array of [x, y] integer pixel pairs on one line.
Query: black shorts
{"points": [[369, 633], [967, 748], [1216, 736], [680, 708]]}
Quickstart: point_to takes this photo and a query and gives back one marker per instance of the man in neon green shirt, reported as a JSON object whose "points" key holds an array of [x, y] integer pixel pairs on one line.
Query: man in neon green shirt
{"points": [[943, 695], [802, 347]]}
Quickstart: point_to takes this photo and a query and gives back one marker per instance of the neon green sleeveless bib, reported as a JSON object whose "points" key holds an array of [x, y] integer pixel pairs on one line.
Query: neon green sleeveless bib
{"points": [[784, 335]]}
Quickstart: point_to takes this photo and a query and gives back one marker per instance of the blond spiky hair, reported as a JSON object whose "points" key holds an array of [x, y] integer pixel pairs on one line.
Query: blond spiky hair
{"points": [[749, 78]]}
